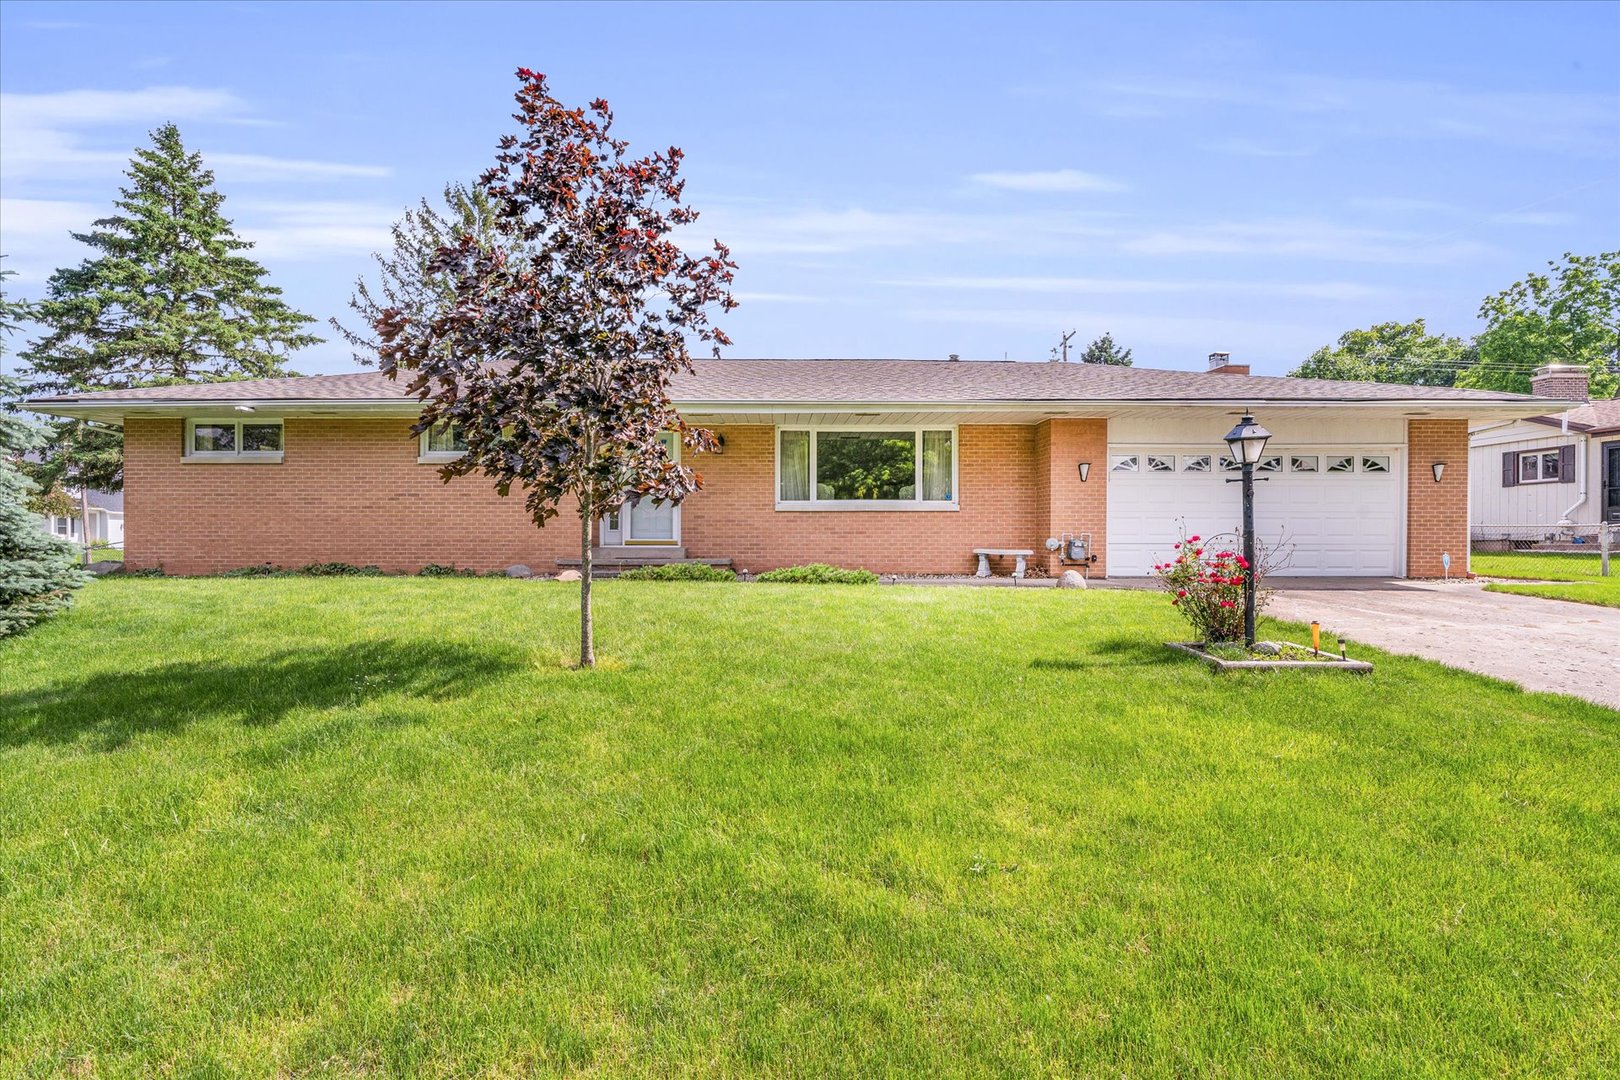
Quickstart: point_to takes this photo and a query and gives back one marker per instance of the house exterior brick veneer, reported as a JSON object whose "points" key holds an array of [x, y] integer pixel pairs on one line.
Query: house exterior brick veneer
{"points": [[352, 491], [1436, 514], [345, 491]]}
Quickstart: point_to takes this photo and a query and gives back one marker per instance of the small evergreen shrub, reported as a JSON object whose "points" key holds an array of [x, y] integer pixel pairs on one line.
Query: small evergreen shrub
{"points": [[340, 569], [679, 572], [819, 574], [434, 569], [146, 571]]}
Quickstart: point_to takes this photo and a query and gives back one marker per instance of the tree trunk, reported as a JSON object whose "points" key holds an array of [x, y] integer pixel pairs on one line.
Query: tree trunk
{"points": [[587, 631], [84, 521]]}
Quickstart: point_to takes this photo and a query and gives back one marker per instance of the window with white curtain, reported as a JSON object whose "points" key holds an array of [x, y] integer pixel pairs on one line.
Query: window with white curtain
{"points": [[845, 468]]}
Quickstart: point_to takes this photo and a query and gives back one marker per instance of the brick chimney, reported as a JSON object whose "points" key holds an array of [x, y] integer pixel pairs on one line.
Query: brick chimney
{"points": [[1222, 362], [1567, 382]]}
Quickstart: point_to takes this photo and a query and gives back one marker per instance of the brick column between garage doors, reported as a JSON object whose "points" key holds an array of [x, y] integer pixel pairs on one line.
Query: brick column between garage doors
{"points": [[1436, 514]]}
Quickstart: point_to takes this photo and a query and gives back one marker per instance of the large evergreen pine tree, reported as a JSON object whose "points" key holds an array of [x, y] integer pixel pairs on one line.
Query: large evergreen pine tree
{"points": [[167, 297]]}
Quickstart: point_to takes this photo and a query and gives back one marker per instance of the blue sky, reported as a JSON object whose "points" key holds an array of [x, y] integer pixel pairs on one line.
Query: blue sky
{"points": [[895, 181]]}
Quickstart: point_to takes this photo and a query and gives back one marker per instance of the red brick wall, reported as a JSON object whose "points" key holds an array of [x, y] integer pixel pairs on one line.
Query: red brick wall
{"points": [[352, 491], [346, 491], [1068, 504], [735, 516], [1436, 514]]}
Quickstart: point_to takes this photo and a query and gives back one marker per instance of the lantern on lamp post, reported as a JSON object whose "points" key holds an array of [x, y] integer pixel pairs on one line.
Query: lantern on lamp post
{"points": [[1247, 442]]}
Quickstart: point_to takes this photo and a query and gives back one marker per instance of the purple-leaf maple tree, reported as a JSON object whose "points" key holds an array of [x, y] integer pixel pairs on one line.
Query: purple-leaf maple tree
{"points": [[562, 325]]}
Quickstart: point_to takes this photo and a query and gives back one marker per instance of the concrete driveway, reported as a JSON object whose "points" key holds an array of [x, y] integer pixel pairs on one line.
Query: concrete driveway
{"points": [[1550, 645]]}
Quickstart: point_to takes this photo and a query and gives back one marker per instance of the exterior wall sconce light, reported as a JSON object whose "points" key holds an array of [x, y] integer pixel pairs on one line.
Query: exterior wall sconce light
{"points": [[1439, 470], [719, 443], [1085, 471]]}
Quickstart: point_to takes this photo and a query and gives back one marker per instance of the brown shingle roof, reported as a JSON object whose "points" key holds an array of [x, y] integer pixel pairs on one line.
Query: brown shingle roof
{"points": [[943, 382], [1596, 418]]}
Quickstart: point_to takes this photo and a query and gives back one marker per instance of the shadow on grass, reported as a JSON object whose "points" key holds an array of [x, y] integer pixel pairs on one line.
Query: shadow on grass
{"points": [[115, 706], [1118, 651]]}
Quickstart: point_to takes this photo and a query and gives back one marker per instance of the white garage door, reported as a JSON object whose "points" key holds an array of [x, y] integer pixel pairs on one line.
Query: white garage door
{"points": [[1330, 512]]}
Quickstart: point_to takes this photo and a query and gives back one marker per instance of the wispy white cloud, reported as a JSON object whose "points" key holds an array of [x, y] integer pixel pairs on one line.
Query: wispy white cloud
{"points": [[746, 297], [1304, 239], [1260, 148], [295, 231], [1532, 217], [34, 234], [1359, 107], [1049, 180], [1400, 204], [1314, 290], [765, 228], [46, 137]]}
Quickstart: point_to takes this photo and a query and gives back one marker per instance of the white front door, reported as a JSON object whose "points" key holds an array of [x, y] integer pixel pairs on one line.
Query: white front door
{"points": [[1332, 511], [646, 522]]}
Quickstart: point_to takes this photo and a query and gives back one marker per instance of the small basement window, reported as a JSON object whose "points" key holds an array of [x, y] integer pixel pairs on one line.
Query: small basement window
{"points": [[441, 442], [1538, 467], [233, 440]]}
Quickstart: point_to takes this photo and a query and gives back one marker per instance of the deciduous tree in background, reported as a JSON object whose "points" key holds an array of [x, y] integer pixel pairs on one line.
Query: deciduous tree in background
{"points": [[1390, 352], [167, 298], [567, 324], [1570, 315]]}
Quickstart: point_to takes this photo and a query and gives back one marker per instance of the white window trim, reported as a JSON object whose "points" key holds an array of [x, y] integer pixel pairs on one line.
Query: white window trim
{"points": [[424, 456], [904, 505], [1538, 455], [243, 457]]}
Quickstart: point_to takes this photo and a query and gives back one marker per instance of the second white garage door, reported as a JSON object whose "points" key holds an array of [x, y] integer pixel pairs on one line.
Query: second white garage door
{"points": [[1335, 512]]}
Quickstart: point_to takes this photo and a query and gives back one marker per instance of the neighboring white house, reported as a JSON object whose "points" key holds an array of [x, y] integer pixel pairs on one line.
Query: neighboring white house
{"points": [[1559, 469], [106, 519]]}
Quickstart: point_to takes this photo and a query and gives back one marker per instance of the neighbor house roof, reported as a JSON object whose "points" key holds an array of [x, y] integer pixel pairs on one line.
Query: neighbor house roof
{"points": [[775, 384], [1594, 418]]}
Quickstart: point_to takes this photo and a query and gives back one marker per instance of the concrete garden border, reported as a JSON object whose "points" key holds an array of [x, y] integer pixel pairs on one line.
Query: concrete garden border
{"points": [[1328, 663]]}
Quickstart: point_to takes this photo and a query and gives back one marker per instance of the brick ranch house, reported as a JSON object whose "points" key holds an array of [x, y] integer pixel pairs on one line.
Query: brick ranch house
{"points": [[976, 454]]}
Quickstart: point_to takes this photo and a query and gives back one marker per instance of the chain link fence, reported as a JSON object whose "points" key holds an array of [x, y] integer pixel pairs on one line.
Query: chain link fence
{"points": [[1561, 552]]}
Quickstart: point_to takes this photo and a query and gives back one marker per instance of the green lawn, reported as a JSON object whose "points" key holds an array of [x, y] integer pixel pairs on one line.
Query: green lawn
{"points": [[1592, 587], [377, 827], [1542, 565], [1604, 591]]}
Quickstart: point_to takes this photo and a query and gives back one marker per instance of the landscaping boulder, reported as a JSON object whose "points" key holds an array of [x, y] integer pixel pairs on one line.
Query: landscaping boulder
{"points": [[1072, 579], [518, 570], [568, 575]]}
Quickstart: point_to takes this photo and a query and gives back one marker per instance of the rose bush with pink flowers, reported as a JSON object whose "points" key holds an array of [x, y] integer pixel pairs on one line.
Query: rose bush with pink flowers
{"points": [[1205, 579]]}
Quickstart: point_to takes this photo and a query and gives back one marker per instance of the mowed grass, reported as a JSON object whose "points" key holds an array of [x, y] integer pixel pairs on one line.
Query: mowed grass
{"points": [[1585, 570], [378, 827], [1541, 565], [1602, 591]]}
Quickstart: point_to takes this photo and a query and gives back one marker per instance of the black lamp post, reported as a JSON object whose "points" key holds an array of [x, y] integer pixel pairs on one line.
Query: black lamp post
{"points": [[1248, 442]]}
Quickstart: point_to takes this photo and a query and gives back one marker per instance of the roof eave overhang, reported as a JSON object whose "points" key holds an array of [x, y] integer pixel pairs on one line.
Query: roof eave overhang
{"points": [[116, 410]]}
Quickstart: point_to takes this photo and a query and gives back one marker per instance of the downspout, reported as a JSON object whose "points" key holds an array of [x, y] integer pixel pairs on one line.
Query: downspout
{"points": [[1580, 476]]}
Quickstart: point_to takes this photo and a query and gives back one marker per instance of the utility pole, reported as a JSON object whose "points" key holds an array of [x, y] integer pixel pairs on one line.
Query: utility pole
{"points": [[1060, 353]]}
